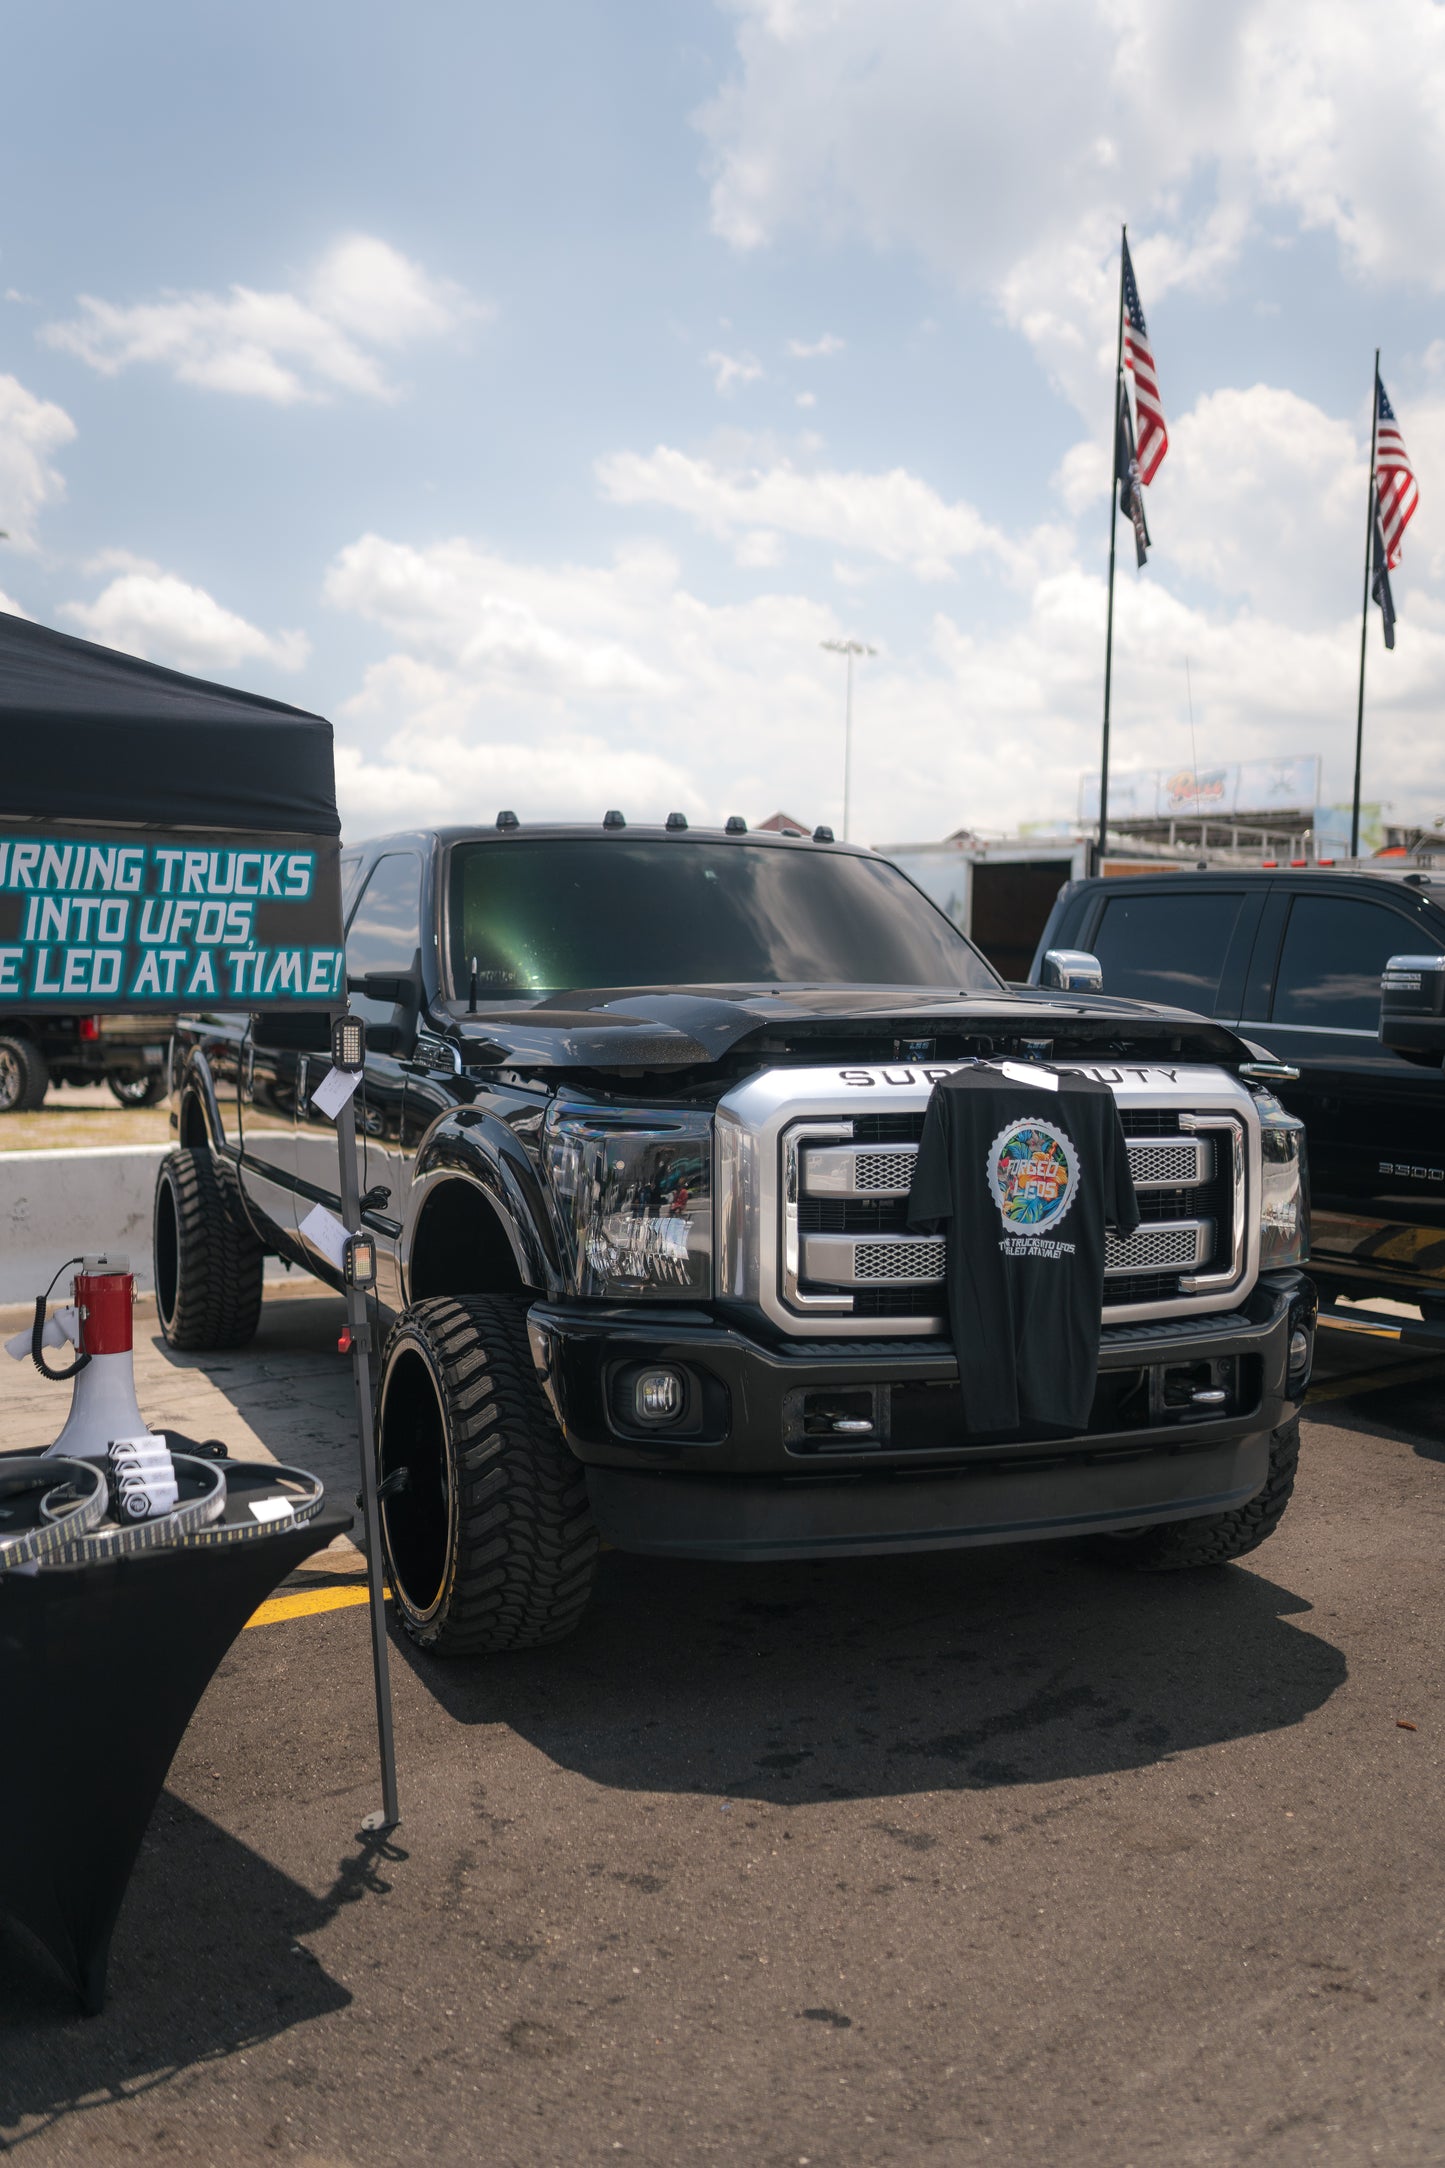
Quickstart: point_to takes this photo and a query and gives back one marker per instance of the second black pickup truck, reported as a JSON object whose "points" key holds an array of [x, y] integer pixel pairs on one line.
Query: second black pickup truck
{"points": [[1294, 958], [641, 1108]]}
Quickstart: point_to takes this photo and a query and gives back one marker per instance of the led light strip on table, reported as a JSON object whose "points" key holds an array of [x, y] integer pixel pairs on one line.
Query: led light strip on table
{"points": [[202, 1487], [262, 1497], [46, 1505]]}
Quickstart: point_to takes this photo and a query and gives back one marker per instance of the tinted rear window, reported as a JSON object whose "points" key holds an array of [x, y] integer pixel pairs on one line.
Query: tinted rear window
{"points": [[1167, 948], [1335, 948], [547, 915]]}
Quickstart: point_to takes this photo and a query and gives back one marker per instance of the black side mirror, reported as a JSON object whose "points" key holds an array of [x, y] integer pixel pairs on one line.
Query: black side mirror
{"points": [[395, 987]]}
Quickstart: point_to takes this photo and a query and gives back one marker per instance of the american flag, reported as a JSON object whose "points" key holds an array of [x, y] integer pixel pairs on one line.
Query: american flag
{"points": [[1153, 434], [1380, 585], [1394, 477], [1126, 474]]}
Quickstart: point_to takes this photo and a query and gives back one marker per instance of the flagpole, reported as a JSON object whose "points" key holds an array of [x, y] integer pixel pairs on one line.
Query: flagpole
{"points": [[1113, 526], [1365, 607]]}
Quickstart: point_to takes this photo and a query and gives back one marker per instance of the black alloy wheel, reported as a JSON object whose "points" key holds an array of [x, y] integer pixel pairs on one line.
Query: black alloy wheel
{"points": [[487, 1530]]}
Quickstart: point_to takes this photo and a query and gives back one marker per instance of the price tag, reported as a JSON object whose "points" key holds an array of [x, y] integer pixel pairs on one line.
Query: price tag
{"points": [[335, 1088]]}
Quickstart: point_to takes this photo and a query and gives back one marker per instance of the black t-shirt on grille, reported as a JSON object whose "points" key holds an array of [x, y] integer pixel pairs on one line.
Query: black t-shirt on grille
{"points": [[1024, 1179]]}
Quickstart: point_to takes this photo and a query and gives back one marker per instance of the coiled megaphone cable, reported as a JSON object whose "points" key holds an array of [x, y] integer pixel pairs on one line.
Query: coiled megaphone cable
{"points": [[37, 1349]]}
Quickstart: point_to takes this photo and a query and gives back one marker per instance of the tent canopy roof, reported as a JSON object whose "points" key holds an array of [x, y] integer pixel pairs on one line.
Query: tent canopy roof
{"points": [[87, 734]]}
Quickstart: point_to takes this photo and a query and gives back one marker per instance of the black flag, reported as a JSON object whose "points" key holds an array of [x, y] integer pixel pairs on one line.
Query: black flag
{"points": [[1126, 474], [1380, 584]]}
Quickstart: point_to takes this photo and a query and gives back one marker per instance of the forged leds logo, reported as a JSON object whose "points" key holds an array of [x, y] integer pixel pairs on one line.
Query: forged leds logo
{"points": [[1033, 1172]]}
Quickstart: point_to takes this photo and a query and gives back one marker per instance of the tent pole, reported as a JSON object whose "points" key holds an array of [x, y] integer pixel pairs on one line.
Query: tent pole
{"points": [[356, 1318]]}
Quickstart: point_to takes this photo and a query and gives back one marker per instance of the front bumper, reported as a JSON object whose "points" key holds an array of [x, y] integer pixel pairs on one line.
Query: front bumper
{"points": [[748, 1482]]}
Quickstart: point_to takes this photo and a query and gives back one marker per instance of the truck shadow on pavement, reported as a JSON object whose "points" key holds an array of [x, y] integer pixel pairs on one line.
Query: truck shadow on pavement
{"points": [[207, 1960], [878, 1677], [1409, 1413]]}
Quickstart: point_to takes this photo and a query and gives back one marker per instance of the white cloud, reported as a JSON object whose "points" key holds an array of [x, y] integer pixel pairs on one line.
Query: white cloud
{"points": [[1262, 495], [423, 777], [816, 349], [548, 635], [283, 347], [566, 689], [10, 606], [807, 399], [31, 431], [730, 370], [146, 611], [571, 688], [841, 123], [895, 516]]}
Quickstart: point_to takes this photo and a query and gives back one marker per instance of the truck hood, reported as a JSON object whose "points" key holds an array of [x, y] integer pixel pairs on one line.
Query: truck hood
{"points": [[640, 1028]]}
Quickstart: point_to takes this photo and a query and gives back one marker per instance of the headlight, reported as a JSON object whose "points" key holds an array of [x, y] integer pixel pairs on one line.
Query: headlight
{"points": [[635, 1194], [1284, 1195]]}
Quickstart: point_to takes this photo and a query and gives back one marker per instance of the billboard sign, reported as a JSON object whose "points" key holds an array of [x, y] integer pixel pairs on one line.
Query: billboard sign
{"points": [[1232, 789]]}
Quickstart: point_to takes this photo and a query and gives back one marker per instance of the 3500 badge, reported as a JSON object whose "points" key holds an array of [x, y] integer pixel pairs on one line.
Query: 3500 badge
{"points": [[1033, 1173]]}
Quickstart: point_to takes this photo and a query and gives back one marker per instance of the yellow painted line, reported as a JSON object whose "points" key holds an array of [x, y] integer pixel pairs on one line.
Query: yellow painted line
{"points": [[1376, 1381], [307, 1601], [1371, 1329]]}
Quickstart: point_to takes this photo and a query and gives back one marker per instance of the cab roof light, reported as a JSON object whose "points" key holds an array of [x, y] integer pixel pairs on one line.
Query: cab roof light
{"points": [[1269, 865], [614, 819], [677, 822], [735, 825], [822, 835], [1299, 861], [508, 820], [1324, 861]]}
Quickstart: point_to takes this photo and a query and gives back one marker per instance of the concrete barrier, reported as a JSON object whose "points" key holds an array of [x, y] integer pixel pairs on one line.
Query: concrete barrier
{"points": [[55, 1205]]}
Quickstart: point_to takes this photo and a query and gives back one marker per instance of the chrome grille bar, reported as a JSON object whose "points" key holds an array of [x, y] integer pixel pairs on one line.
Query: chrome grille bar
{"points": [[919, 1260], [874, 1170]]}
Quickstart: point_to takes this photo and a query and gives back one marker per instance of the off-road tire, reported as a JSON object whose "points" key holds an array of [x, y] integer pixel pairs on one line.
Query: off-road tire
{"points": [[1214, 1538], [24, 1077], [489, 1542], [138, 1091], [208, 1263]]}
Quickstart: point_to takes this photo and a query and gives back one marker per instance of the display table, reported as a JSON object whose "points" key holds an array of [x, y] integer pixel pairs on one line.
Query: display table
{"points": [[101, 1670]]}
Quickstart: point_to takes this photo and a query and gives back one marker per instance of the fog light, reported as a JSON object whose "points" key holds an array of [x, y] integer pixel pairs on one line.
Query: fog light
{"points": [[658, 1396], [1299, 1348]]}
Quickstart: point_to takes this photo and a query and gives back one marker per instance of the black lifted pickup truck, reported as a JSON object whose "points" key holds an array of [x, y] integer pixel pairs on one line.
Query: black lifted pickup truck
{"points": [[1341, 974], [640, 1110]]}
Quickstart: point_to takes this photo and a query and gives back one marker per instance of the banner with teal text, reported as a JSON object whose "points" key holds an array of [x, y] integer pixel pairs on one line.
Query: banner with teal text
{"points": [[96, 919]]}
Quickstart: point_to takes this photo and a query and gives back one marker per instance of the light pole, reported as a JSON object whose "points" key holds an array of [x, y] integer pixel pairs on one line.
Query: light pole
{"points": [[847, 649]]}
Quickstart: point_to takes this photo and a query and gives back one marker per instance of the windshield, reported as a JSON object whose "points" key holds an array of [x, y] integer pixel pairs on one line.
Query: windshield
{"points": [[545, 915]]}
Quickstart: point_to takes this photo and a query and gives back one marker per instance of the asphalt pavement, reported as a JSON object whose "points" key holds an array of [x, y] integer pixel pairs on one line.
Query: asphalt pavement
{"points": [[993, 1857]]}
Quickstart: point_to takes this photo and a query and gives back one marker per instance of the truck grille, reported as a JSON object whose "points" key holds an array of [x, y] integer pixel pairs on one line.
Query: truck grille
{"points": [[853, 1237]]}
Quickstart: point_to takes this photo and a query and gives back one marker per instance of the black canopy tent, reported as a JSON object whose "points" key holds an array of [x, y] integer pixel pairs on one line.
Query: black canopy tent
{"points": [[92, 735], [167, 842]]}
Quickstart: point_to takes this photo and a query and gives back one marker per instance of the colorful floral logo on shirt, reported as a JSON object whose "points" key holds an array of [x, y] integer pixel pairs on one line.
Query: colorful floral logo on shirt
{"points": [[1033, 1173]]}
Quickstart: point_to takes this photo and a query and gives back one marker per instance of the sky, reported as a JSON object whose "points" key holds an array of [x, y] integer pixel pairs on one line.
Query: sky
{"points": [[533, 390]]}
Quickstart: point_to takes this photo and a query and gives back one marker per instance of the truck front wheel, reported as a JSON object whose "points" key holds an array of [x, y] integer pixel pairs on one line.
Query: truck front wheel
{"points": [[1214, 1538], [487, 1530], [208, 1263]]}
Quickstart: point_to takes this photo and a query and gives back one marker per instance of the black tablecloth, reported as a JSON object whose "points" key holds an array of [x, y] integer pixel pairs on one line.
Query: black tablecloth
{"points": [[101, 1669]]}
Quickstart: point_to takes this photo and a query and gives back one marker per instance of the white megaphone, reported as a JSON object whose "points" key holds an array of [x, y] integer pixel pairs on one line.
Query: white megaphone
{"points": [[97, 1322]]}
